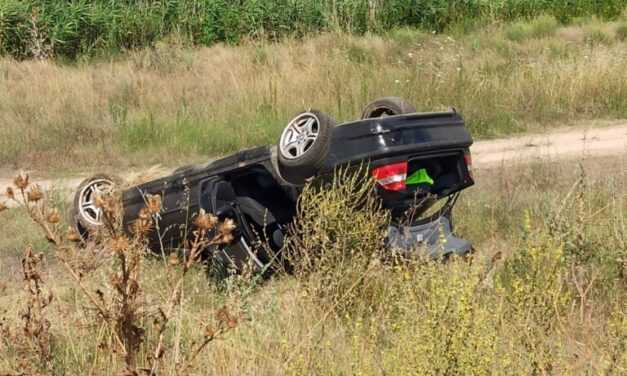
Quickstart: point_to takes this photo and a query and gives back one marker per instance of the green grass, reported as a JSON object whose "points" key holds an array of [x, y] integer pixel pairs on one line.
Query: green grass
{"points": [[194, 136], [69, 29]]}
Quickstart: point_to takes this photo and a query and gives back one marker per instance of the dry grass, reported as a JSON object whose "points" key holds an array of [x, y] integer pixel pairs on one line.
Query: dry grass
{"points": [[170, 104], [545, 293]]}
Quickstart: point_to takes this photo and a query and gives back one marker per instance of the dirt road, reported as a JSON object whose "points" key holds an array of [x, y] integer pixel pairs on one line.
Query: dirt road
{"points": [[568, 143]]}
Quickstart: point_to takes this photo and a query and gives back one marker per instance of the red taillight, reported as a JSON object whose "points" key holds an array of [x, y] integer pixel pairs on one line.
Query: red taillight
{"points": [[468, 160], [391, 177]]}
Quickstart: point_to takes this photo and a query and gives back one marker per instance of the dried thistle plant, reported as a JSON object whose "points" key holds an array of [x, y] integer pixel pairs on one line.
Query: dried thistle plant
{"points": [[225, 321], [207, 233], [31, 341], [121, 305]]}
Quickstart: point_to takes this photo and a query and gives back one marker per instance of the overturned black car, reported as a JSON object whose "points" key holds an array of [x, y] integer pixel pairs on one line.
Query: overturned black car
{"points": [[417, 160]]}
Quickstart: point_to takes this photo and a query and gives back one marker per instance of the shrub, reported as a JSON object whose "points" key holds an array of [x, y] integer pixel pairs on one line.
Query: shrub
{"points": [[533, 285], [445, 321], [337, 241], [547, 298], [31, 343]]}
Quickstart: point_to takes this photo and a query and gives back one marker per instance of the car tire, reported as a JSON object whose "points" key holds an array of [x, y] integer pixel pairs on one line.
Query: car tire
{"points": [[84, 215], [304, 145], [388, 106]]}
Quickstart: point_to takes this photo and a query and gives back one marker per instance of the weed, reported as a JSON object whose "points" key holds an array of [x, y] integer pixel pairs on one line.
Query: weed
{"points": [[533, 283], [337, 240], [118, 307], [32, 342]]}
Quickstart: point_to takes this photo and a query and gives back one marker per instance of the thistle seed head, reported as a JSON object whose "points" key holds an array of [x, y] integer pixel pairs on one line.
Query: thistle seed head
{"points": [[120, 244], [225, 317], [232, 323], [106, 203], [153, 204], [226, 228], [144, 214], [35, 194], [53, 216], [227, 239], [222, 315], [21, 181], [143, 225], [72, 235], [205, 221], [173, 259]]}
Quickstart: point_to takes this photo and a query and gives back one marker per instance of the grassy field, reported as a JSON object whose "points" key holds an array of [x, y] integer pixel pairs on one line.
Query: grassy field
{"points": [[544, 294], [171, 104]]}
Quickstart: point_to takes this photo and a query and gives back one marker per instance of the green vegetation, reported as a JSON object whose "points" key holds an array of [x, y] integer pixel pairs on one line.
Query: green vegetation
{"points": [[545, 292], [68, 29]]}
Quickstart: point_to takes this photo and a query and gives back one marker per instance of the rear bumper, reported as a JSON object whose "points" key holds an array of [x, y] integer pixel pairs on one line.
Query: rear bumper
{"points": [[434, 239]]}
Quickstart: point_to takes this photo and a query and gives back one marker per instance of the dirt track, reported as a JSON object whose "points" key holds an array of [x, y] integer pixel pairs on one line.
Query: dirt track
{"points": [[564, 144], [568, 143]]}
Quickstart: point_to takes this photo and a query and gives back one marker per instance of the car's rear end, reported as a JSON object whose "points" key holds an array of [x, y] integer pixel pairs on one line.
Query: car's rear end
{"points": [[421, 162]]}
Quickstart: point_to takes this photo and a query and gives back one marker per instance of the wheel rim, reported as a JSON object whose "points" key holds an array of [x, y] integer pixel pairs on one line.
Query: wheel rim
{"points": [[87, 208], [299, 136]]}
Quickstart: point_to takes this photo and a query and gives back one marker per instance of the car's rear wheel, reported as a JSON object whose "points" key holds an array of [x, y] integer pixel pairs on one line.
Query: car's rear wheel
{"points": [[387, 106], [304, 145], [85, 213]]}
